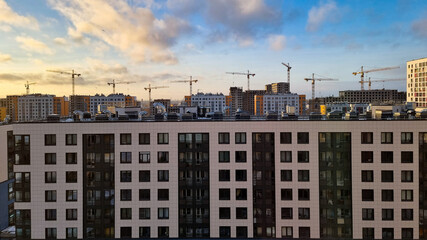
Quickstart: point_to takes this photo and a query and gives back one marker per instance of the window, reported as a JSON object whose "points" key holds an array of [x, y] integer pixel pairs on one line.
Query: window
{"points": [[125, 232], [241, 175], [368, 233], [286, 175], [303, 213], [286, 138], [387, 214], [287, 213], [144, 194], [71, 158], [241, 194], [144, 213], [144, 232], [163, 213], [407, 176], [126, 157], [224, 194], [387, 157], [367, 175], [163, 232], [407, 157], [240, 156], [367, 195], [71, 214], [303, 194], [71, 177], [388, 233], [144, 157], [125, 139], [125, 194], [223, 138], [224, 175], [241, 232], [241, 213], [406, 138], [224, 232], [303, 137], [367, 214], [50, 214], [50, 158], [162, 157], [71, 195], [162, 138], [386, 138], [50, 233], [407, 214], [303, 156], [71, 232], [387, 195], [367, 137], [407, 233], [163, 175], [304, 232], [240, 138], [50, 196], [386, 176], [125, 213], [287, 232], [50, 177], [224, 156], [49, 139], [125, 176], [144, 176], [224, 213], [367, 157], [407, 195], [303, 175], [285, 156], [163, 194], [144, 138], [70, 139], [286, 193]]}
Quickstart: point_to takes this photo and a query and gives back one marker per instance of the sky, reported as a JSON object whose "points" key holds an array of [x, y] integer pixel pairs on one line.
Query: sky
{"points": [[159, 42]]}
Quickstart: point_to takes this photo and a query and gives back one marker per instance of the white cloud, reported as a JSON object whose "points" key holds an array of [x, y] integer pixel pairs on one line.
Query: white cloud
{"points": [[318, 15], [60, 41], [5, 28], [5, 58], [277, 42], [9, 17], [33, 45]]}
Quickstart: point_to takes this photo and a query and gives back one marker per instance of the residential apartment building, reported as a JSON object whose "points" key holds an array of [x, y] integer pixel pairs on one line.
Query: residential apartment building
{"points": [[416, 71], [199, 179], [12, 107], [80, 103], [112, 100], [61, 106], [249, 100], [369, 96], [276, 103], [236, 94], [302, 105], [215, 102], [275, 88], [34, 107]]}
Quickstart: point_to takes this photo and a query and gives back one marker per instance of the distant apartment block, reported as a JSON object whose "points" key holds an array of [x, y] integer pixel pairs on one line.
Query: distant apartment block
{"points": [[416, 71], [61, 106], [276, 103], [79, 103], [302, 105], [280, 87], [249, 100], [215, 102], [34, 107], [236, 94], [372, 96], [112, 100]]}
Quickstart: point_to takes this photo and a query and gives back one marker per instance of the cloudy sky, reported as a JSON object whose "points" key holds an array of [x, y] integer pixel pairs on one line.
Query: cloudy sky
{"points": [[157, 42]]}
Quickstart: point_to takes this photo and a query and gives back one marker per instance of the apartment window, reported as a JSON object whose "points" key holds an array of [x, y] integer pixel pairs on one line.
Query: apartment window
{"points": [[241, 213], [144, 138], [70, 139], [367, 214], [407, 176], [407, 233], [303, 175], [144, 194], [367, 195], [50, 214], [286, 138], [163, 194], [285, 156], [388, 214], [386, 176], [287, 232], [286, 175], [286, 193], [163, 213], [125, 232], [287, 213], [49, 139], [224, 175], [241, 232], [387, 195], [224, 156], [387, 157], [144, 213], [162, 157], [163, 175], [303, 137], [388, 233], [125, 139], [71, 158], [71, 214], [163, 232], [303, 156], [162, 138], [126, 157], [126, 176], [367, 176], [71, 232], [386, 138], [125, 213], [241, 194], [224, 213], [125, 194], [144, 232], [144, 176], [240, 156], [50, 158], [71, 195], [407, 195], [368, 233], [407, 157], [144, 157], [224, 194], [50, 196], [303, 194], [367, 137], [304, 232], [407, 214], [71, 177], [240, 138], [241, 175], [367, 157], [303, 213], [224, 232], [50, 177], [406, 138], [50, 233], [223, 138]]}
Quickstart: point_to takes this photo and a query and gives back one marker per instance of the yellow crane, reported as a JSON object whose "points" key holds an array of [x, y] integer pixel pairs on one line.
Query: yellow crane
{"points": [[313, 80], [114, 84], [383, 80], [362, 74], [248, 74], [72, 73], [27, 86], [149, 88], [191, 81]]}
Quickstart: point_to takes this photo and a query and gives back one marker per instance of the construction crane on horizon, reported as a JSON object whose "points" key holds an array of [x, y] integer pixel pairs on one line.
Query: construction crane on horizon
{"points": [[72, 73], [248, 74], [114, 84], [362, 74], [289, 74], [191, 81], [149, 90], [313, 80], [382, 80], [27, 86]]}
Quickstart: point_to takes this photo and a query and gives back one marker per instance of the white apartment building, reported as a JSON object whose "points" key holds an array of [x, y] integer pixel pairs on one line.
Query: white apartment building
{"points": [[279, 102], [34, 107], [416, 71], [216, 102], [112, 100]]}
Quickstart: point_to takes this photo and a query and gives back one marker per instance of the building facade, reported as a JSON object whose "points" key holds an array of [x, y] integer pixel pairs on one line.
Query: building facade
{"points": [[61, 106], [369, 96], [216, 102], [249, 100], [236, 94], [416, 71], [112, 100], [275, 88], [276, 103], [34, 107]]}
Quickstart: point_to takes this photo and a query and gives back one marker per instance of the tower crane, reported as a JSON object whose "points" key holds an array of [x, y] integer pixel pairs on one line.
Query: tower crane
{"points": [[313, 80], [72, 73], [149, 90], [248, 74], [27, 86], [362, 74], [191, 81], [383, 80], [114, 84], [289, 74]]}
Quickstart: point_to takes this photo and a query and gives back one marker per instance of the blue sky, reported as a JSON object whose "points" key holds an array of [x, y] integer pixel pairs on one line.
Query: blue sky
{"points": [[157, 42]]}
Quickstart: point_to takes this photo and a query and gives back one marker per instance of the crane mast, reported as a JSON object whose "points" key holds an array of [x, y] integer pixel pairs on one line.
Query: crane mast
{"points": [[191, 81], [27, 86], [313, 80], [114, 84], [248, 74], [289, 75], [149, 88], [362, 74], [72, 73]]}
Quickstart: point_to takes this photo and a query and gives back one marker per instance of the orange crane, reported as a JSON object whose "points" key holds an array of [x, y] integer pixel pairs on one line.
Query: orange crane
{"points": [[27, 86], [72, 73], [383, 80], [191, 81], [149, 90], [313, 80], [362, 74], [289, 74], [114, 84], [240, 73]]}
